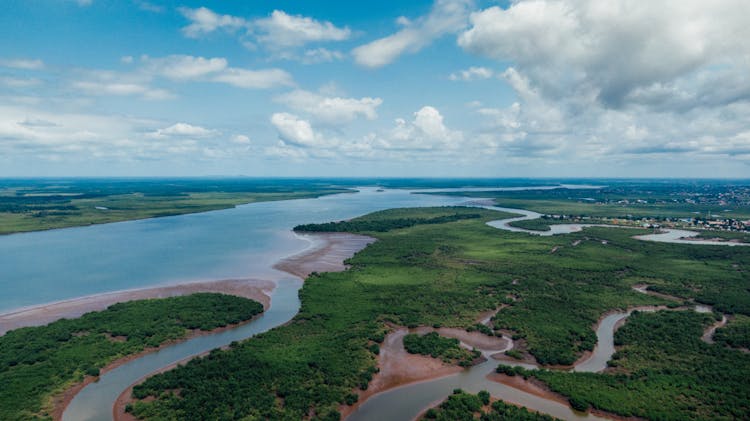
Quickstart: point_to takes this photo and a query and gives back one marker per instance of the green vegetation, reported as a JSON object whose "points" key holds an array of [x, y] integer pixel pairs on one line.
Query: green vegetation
{"points": [[726, 235], [447, 349], [462, 406], [33, 205], [443, 274], [514, 353], [383, 225], [532, 224], [478, 327], [736, 333], [663, 371], [39, 362]]}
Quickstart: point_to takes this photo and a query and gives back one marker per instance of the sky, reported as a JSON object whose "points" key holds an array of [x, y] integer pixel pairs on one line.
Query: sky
{"points": [[442, 88]]}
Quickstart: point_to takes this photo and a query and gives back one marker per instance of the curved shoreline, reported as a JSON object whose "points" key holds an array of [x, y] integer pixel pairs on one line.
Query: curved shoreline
{"points": [[327, 252], [61, 401], [254, 289]]}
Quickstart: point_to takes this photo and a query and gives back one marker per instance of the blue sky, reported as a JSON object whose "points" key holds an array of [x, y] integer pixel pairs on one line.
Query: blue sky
{"points": [[420, 88]]}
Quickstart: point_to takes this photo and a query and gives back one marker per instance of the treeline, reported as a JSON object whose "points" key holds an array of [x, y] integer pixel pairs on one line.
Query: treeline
{"points": [[36, 362], [381, 225], [462, 406], [447, 349]]}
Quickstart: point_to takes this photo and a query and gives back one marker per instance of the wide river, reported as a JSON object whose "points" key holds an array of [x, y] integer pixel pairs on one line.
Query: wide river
{"points": [[242, 242]]}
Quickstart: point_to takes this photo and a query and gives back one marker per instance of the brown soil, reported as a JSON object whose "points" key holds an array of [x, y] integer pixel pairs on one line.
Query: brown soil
{"points": [[399, 368], [327, 254]]}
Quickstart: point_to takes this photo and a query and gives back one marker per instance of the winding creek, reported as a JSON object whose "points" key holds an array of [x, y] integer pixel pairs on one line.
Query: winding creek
{"points": [[236, 242]]}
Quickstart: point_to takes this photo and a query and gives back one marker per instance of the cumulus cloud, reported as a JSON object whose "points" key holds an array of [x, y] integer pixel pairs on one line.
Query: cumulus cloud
{"points": [[331, 110], [619, 80], [425, 131], [423, 137], [204, 21], [609, 50], [445, 17], [281, 30], [296, 131], [472, 73]]}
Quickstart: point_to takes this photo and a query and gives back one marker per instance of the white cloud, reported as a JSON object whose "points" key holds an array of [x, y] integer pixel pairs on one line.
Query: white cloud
{"points": [[182, 67], [294, 130], [108, 83], [472, 73], [38, 134], [618, 81], [281, 30], [121, 89], [14, 82], [320, 55], [609, 50], [332, 110], [240, 139], [426, 131], [190, 68], [446, 16], [204, 21], [148, 6], [280, 33], [183, 130], [22, 63], [254, 79]]}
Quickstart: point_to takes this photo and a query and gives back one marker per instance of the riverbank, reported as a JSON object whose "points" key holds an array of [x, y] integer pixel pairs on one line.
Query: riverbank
{"points": [[254, 289], [398, 368], [61, 401], [326, 253]]}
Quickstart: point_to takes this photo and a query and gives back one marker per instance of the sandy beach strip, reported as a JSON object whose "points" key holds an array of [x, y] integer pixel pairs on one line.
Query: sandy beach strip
{"points": [[255, 289], [327, 253]]}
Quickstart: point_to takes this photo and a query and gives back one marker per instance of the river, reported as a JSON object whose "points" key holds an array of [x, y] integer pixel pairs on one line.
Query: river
{"points": [[55, 265]]}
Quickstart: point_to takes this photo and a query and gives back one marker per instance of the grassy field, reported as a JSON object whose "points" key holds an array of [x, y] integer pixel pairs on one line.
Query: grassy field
{"points": [[38, 362], [440, 273], [34, 206]]}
